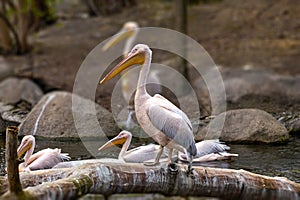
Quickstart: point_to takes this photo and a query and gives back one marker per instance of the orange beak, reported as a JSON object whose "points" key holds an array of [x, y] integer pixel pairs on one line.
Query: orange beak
{"points": [[132, 59], [115, 141], [23, 148]]}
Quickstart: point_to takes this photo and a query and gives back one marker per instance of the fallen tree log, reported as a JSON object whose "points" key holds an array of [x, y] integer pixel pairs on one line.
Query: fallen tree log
{"points": [[109, 178]]}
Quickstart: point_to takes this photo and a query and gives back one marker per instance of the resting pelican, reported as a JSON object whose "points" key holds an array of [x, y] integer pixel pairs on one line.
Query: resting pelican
{"points": [[129, 79], [207, 150], [159, 118], [137, 155], [44, 159], [210, 150]]}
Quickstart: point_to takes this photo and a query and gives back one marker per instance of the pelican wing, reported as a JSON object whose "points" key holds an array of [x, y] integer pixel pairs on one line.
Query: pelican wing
{"points": [[210, 146], [167, 105], [45, 159], [169, 119], [143, 153]]}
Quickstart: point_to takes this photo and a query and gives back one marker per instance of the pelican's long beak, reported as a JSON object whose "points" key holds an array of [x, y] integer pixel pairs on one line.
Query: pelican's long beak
{"points": [[23, 148], [123, 34], [133, 58], [115, 141]]}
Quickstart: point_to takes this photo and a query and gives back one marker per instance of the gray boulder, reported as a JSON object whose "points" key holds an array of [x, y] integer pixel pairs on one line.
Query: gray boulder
{"points": [[11, 115], [294, 126], [252, 88], [5, 69], [53, 118], [241, 82], [14, 90], [245, 126]]}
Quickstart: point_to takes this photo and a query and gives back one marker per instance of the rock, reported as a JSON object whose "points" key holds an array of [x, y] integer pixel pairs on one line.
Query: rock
{"points": [[290, 120], [295, 126], [53, 118], [3, 108], [241, 82], [245, 126], [14, 90], [290, 86], [253, 88], [5, 69], [11, 115]]}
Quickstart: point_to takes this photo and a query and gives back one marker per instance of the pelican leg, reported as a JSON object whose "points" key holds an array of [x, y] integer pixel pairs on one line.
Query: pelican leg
{"points": [[172, 166], [170, 156], [156, 161], [190, 166], [189, 158]]}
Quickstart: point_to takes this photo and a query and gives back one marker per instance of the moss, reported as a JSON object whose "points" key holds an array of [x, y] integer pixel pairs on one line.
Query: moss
{"points": [[82, 184]]}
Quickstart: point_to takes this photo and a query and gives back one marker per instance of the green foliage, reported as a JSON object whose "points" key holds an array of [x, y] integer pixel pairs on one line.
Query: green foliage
{"points": [[22, 17]]}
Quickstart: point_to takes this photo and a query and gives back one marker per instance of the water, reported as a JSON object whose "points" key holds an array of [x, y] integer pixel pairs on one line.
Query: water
{"points": [[272, 160]]}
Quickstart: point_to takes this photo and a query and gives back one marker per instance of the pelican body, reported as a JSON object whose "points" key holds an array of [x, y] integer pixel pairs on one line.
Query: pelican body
{"points": [[44, 159], [207, 150], [137, 155], [159, 118]]}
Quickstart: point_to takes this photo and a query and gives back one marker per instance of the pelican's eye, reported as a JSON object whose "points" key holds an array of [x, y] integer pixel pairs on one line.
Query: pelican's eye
{"points": [[121, 135], [134, 51]]}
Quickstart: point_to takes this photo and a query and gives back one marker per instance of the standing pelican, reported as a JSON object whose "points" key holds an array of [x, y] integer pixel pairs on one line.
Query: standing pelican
{"points": [[44, 159], [129, 79], [207, 150], [137, 155], [159, 118]]}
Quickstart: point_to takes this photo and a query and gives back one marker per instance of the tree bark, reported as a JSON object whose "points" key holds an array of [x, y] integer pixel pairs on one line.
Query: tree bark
{"points": [[5, 40], [109, 178], [23, 15]]}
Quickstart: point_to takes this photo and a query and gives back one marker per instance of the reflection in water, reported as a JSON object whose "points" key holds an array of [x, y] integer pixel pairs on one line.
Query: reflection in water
{"points": [[271, 160]]}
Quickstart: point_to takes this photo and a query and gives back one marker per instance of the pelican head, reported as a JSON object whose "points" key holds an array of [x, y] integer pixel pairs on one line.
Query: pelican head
{"points": [[128, 31], [136, 56], [27, 143], [121, 138]]}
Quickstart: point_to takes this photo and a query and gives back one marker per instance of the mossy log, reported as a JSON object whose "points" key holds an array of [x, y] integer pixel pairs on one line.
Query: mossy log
{"points": [[110, 177]]}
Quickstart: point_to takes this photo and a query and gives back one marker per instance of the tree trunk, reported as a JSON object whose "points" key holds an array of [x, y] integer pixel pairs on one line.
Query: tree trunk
{"points": [[24, 19], [181, 14], [5, 40], [110, 177]]}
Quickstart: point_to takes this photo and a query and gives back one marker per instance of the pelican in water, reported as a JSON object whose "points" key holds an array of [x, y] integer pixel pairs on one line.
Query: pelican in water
{"points": [[158, 117], [129, 80], [44, 159], [137, 155], [207, 150]]}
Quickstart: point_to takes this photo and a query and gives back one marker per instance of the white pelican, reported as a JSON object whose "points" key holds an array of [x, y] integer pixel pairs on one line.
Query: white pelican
{"points": [[44, 159], [207, 150], [137, 155], [129, 80], [159, 118], [210, 150]]}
